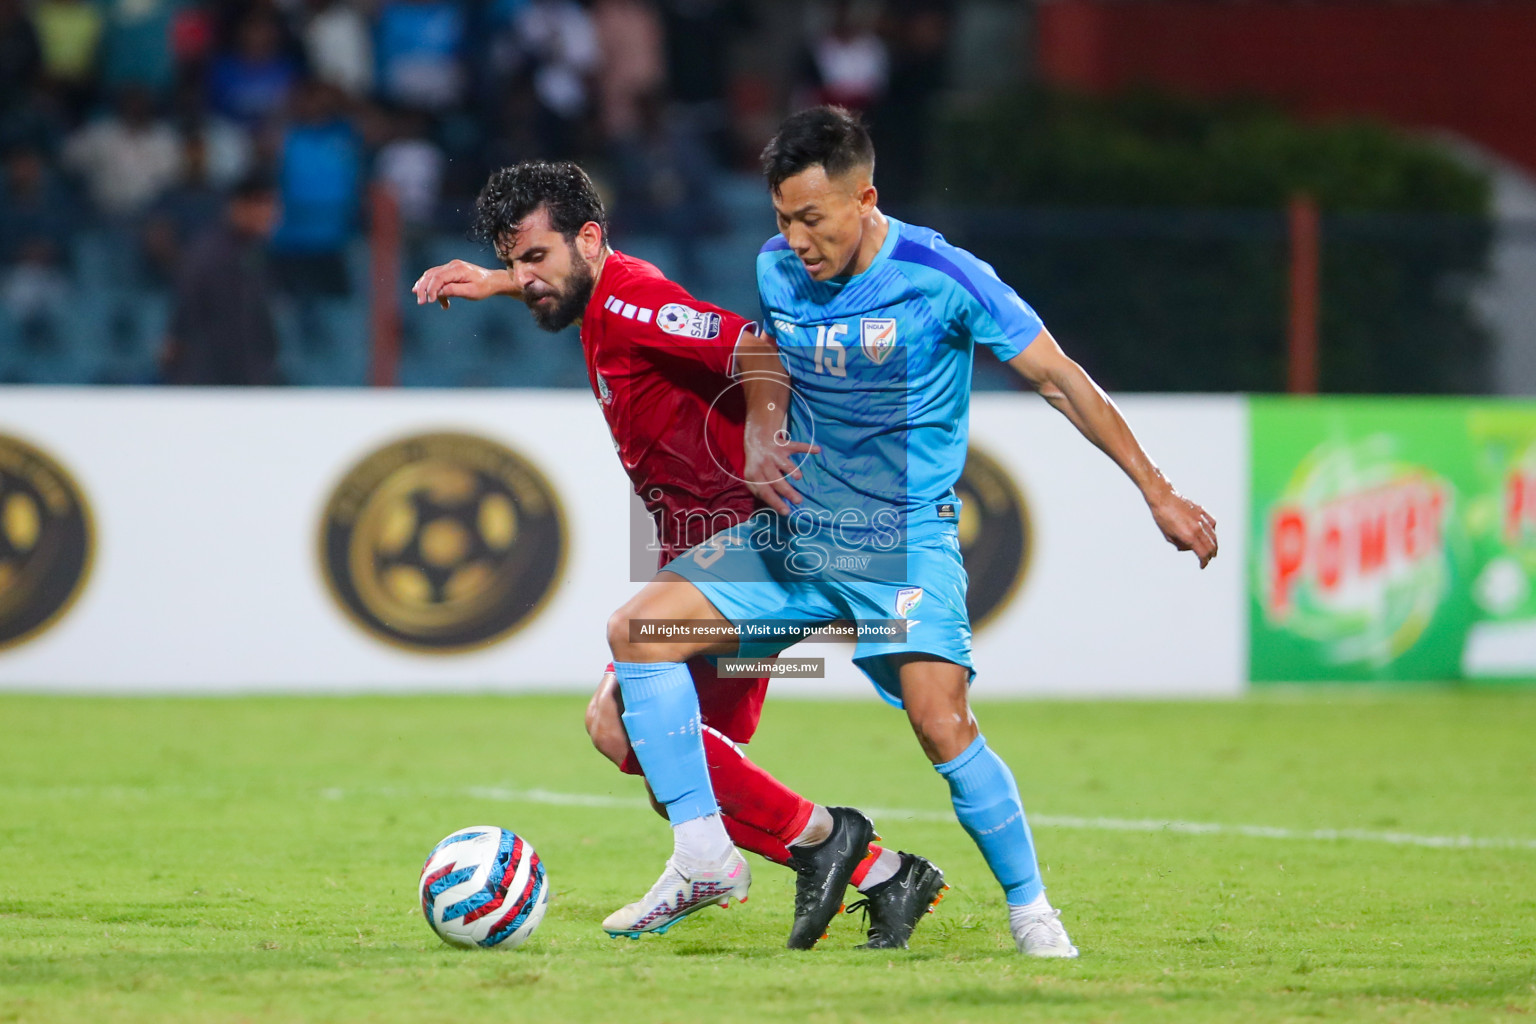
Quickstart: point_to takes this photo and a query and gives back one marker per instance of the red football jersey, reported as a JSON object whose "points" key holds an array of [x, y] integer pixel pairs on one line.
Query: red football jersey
{"points": [[661, 364]]}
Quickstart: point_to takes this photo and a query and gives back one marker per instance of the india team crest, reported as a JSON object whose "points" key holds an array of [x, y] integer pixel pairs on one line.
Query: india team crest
{"points": [[877, 337], [907, 599]]}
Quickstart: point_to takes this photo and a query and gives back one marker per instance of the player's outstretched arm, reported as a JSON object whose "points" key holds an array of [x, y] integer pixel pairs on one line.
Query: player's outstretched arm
{"points": [[770, 456], [1072, 392], [461, 280]]}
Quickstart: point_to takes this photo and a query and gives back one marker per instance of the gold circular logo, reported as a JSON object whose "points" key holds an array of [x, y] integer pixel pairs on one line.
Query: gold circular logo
{"points": [[46, 541], [994, 535], [442, 542]]}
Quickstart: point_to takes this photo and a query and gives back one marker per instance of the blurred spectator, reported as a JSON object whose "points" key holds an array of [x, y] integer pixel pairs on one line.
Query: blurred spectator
{"points": [[138, 45], [503, 98], [182, 213], [320, 181], [666, 184], [848, 64], [411, 165], [34, 207], [558, 44], [20, 55], [69, 34], [127, 160], [919, 32], [507, 114], [35, 229], [338, 44], [34, 287], [194, 31], [420, 53], [30, 115], [561, 42], [633, 61], [700, 35], [35, 298], [226, 148], [221, 329], [251, 82], [37, 119]]}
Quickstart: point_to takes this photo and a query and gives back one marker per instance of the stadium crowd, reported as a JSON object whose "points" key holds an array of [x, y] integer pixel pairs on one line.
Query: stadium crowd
{"points": [[130, 122]]}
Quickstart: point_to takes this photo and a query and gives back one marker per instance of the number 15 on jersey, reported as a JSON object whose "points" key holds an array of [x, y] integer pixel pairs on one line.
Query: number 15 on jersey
{"points": [[831, 356]]}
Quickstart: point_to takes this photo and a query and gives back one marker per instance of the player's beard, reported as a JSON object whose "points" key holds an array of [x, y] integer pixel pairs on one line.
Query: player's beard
{"points": [[570, 301]]}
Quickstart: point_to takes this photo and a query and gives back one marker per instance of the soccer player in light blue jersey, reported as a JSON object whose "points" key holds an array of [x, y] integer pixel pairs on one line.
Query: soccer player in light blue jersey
{"points": [[877, 324]]}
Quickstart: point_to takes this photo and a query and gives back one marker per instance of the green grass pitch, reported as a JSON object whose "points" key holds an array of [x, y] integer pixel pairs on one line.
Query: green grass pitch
{"points": [[255, 859]]}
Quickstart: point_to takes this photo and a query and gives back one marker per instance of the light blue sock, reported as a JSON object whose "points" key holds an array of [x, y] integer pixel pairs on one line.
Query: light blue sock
{"points": [[661, 715], [987, 803]]}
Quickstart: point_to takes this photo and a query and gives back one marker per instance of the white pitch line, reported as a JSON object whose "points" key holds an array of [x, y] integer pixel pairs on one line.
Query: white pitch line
{"points": [[1271, 832], [544, 796], [1194, 828], [504, 794]]}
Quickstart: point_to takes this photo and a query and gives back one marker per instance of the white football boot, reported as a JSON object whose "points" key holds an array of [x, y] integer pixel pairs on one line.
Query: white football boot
{"points": [[1039, 933], [678, 893]]}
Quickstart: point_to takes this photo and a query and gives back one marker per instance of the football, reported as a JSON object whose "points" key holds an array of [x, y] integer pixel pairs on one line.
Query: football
{"points": [[484, 886]]}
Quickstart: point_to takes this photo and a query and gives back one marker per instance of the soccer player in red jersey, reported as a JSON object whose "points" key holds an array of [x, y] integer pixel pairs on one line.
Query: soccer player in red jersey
{"points": [[671, 375]]}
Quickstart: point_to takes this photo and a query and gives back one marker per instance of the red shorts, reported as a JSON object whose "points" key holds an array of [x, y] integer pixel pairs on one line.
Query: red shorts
{"points": [[731, 707]]}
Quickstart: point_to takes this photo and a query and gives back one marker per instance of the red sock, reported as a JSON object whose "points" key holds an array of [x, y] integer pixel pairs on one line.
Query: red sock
{"points": [[752, 796], [753, 840], [756, 840], [862, 871], [761, 813]]}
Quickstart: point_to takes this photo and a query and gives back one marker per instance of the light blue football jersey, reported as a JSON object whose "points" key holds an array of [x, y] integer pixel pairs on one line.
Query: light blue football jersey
{"points": [[881, 364]]}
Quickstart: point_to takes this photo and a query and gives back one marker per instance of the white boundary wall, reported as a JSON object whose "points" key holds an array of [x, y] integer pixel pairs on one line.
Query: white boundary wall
{"points": [[207, 508]]}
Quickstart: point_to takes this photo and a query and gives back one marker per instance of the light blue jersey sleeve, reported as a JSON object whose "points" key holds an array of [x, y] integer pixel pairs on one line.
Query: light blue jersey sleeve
{"points": [[967, 292], [773, 250]]}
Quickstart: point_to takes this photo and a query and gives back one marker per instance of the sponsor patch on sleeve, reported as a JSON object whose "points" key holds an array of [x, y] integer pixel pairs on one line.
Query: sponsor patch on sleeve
{"points": [[676, 318]]}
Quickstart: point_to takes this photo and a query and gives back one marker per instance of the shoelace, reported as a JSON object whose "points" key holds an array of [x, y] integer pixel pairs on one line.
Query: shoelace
{"points": [[863, 905]]}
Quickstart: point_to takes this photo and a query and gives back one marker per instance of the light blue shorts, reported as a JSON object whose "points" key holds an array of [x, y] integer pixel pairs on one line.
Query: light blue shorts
{"points": [[760, 584]]}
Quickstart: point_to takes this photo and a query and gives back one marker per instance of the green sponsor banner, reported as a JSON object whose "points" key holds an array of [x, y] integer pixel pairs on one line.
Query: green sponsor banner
{"points": [[1393, 539]]}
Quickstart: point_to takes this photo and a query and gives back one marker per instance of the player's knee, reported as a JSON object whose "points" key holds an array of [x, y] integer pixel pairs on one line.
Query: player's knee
{"points": [[626, 646], [618, 635], [943, 733]]}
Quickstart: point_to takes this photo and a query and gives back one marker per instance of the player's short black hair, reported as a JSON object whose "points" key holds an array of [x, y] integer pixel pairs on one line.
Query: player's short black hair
{"points": [[830, 136], [512, 193]]}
